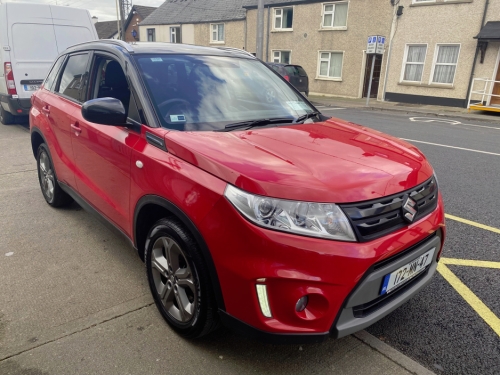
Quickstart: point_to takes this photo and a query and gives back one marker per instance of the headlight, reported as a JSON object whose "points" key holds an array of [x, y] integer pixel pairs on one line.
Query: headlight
{"points": [[324, 220]]}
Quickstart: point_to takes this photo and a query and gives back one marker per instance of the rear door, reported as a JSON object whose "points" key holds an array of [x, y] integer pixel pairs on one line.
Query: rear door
{"points": [[59, 107], [296, 79], [32, 45]]}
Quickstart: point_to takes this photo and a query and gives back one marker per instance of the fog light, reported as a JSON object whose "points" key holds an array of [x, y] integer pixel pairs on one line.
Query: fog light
{"points": [[301, 304], [263, 301]]}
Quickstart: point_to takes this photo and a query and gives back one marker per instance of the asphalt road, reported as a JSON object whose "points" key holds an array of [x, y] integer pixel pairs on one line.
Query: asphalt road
{"points": [[438, 328]]}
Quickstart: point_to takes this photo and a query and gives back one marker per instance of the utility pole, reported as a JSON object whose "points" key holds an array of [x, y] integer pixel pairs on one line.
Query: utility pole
{"points": [[118, 18], [260, 30], [125, 6]]}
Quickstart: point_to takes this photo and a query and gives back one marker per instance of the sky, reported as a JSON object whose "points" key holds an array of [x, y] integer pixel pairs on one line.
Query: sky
{"points": [[105, 10]]}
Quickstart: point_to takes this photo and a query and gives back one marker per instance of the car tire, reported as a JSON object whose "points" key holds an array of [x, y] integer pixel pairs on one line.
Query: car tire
{"points": [[179, 280], [47, 178], [6, 118]]}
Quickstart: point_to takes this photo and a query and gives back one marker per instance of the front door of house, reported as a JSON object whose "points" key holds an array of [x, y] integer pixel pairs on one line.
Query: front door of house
{"points": [[376, 75], [495, 100]]}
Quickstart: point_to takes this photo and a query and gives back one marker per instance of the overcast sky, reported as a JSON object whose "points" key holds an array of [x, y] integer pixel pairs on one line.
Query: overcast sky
{"points": [[105, 10]]}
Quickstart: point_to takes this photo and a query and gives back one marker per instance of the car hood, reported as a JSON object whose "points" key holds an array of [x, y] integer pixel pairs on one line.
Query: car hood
{"points": [[332, 161]]}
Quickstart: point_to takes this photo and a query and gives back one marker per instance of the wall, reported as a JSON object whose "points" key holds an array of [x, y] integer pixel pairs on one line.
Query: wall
{"points": [[365, 17], [133, 25], [234, 34], [433, 23]]}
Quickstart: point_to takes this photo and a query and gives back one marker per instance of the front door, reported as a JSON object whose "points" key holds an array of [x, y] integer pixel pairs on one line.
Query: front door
{"points": [[495, 100], [103, 152], [376, 75]]}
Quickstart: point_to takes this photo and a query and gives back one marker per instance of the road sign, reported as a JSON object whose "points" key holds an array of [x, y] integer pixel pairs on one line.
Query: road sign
{"points": [[376, 45]]}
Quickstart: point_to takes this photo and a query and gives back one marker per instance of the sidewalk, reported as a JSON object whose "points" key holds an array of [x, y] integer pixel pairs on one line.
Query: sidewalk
{"points": [[432, 110]]}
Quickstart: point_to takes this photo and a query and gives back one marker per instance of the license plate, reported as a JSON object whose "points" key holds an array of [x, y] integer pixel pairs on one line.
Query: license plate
{"points": [[31, 87], [407, 272]]}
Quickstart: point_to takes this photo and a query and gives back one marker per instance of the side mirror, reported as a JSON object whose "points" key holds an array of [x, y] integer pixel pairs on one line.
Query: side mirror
{"points": [[104, 111]]}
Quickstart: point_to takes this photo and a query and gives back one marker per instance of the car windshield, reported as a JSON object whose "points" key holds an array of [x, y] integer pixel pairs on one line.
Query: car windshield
{"points": [[194, 93]]}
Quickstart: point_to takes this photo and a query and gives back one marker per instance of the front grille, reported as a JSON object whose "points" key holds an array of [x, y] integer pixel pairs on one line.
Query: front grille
{"points": [[374, 219]]}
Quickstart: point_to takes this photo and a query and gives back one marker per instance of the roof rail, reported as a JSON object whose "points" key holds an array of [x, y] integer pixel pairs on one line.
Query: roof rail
{"points": [[236, 50], [118, 42]]}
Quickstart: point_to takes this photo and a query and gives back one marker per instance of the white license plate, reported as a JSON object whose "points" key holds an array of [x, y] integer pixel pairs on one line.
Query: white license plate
{"points": [[31, 87], [407, 272]]}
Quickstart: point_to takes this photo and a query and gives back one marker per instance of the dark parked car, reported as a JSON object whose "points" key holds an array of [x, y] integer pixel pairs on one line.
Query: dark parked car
{"points": [[249, 207], [295, 74]]}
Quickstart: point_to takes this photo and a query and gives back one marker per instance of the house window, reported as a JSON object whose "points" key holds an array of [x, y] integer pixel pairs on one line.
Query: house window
{"points": [[414, 63], [217, 33], [445, 64], [330, 64], [283, 18], [151, 35], [335, 15], [175, 34], [282, 57]]}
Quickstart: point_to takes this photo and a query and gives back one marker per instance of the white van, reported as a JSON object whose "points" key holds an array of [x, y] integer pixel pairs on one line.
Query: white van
{"points": [[31, 37]]}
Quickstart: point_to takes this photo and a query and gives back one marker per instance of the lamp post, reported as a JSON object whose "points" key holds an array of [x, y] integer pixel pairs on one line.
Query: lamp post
{"points": [[260, 30]]}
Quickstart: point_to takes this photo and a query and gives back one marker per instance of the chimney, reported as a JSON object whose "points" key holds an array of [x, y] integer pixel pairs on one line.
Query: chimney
{"points": [[95, 19]]}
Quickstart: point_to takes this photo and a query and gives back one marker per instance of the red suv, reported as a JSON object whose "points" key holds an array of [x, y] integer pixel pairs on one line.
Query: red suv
{"points": [[249, 207]]}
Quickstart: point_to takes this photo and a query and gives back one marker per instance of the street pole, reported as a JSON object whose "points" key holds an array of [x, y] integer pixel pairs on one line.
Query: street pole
{"points": [[370, 84], [122, 16], [117, 18], [260, 30]]}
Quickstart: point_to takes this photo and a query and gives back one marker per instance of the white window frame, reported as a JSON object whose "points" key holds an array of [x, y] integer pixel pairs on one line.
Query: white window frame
{"points": [[172, 32], [328, 78], [422, 1], [323, 12], [280, 51], [274, 28], [405, 58], [436, 51], [212, 41]]}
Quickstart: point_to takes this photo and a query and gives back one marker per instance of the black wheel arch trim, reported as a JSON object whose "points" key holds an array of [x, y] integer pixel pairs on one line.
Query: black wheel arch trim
{"points": [[39, 132], [162, 202]]}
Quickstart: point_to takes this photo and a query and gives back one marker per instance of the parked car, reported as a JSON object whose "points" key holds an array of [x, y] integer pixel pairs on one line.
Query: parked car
{"points": [[295, 74], [249, 206], [31, 37]]}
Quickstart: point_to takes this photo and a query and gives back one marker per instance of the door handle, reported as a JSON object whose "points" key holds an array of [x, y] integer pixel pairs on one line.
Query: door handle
{"points": [[76, 128], [46, 109]]}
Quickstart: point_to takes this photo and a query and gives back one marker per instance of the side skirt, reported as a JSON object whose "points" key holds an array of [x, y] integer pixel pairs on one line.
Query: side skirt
{"points": [[89, 208]]}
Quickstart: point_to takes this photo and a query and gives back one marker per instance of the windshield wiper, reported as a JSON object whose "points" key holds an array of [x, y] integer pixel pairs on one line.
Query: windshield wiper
{"points": [[256, 123], [307, 116]]}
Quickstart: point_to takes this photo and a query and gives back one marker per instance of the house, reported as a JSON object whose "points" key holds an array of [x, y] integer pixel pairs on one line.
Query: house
{"points": [[137, 14], [327, 38], [201, 22], [442, 50], [107, 29]]}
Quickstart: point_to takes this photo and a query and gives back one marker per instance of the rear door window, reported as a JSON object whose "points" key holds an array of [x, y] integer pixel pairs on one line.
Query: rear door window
{"points": [[72, 78], [292, 70], [51, 78]]}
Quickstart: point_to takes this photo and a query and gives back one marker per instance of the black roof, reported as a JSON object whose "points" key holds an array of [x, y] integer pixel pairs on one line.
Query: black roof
{"points": [[106, 29], [173, 12], [490, 31], [157, 47]]}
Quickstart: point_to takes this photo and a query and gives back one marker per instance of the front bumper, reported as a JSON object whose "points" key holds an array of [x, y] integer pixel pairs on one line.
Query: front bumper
{"points": [[342, 280], [16, 106]]}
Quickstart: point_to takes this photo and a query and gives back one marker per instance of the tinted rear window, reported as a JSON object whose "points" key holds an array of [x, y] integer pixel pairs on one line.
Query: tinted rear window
{"points": [[301, 71]]}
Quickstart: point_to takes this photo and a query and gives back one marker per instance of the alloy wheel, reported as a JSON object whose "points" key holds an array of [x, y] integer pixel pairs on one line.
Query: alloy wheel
{"points": [[47, 178], [173, 279]]}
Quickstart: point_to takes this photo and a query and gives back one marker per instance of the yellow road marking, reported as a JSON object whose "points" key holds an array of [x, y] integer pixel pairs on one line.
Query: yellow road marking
{"points": [[470, 263], [479, 307], [472, 223]]}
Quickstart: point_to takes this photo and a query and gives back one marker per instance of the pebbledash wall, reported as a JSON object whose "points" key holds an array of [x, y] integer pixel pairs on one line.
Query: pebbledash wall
{"points": [[435, 23], [199, 33], [308, 37]]}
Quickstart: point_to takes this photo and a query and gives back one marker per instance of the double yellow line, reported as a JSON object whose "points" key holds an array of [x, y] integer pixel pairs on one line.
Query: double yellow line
{"points": [[479, 307]]}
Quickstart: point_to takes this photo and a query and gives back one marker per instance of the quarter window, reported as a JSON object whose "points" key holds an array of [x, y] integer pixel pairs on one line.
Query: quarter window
{"points": [[414, 63], [445, 64], [282, 57], [335, 15], [330, 64], [72, 79], [283, 18], [51, 78], [151, 35], [175, 35], [217, 32]]}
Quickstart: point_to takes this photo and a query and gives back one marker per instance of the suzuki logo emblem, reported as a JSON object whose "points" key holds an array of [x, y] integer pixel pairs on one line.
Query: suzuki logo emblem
{"points": [[410, 209]]}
